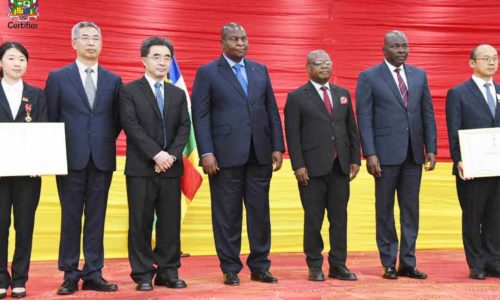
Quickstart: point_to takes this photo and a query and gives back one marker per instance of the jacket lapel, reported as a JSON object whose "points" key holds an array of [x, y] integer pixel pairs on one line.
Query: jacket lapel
{"points": [[76, 80], [389, 80], [151, 98], [410, 79], [28, 95], [251, 77], [311, 92], [101, 82], [478, 96], [5, 104], [226, 72]]}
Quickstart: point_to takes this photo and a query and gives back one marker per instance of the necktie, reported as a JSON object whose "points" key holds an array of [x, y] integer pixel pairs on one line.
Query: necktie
{"points": [[402, 87], [90, 88], [489, 97], [326, 99], [242, 80], [159, 100]]}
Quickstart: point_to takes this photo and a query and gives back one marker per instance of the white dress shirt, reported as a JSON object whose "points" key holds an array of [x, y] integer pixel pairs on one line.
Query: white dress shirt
{"points": [[395, 75], [83, 74], [318, 87], [480, 84], [152, 83], [14, 94]]}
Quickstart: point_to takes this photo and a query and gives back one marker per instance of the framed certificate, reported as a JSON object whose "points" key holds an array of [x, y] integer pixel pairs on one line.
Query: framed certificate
{"points": [[480, 149], [32, 149]]}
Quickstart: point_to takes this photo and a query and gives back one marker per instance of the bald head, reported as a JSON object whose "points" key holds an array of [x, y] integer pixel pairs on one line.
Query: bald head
{"points": [[481, 48], [395, 48], [484, 61], [229, 28]]}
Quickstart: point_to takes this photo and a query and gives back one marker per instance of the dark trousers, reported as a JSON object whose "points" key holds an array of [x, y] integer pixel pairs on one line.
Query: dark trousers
{"points": [[83, 192], [480, 202], [330, 192], [21, 194], [229, 189], [404, 180], [147, 196]]}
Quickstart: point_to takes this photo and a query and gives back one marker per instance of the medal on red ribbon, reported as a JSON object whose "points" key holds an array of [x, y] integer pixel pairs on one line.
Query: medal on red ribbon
{"points": [[27, 106]]}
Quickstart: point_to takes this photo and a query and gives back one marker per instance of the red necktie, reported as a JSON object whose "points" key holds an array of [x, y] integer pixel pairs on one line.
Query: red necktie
{"points": [[326, 99], [402, 87]]}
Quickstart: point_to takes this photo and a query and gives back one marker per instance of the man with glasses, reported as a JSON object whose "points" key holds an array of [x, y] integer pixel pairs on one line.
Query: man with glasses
{"points": [[239, 137], [155, 118], [474, 104], [398, 135], [323, 143], [84, 96]]}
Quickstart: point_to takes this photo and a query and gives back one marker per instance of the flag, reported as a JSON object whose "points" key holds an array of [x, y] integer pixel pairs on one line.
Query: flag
{"points": [[192, 179]]}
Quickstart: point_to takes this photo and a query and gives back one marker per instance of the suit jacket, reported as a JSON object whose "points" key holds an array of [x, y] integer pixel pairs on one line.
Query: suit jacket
{"points": [[386, 125], [88, 132], [31, 95], [226, 120], [313, 136], [142, 122], [466, 108]]}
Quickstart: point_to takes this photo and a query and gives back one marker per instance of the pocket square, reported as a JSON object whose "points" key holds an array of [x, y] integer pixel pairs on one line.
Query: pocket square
{"points": [[343, 100]]}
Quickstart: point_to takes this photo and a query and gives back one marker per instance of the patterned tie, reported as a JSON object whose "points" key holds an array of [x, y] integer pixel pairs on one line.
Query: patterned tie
{"points": [[402, 87], [159, 100], [242, 80], [90, 88], [326, 99], [489, 97]]}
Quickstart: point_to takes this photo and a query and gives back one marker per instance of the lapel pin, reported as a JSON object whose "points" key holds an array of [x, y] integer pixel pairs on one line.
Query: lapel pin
{"points": [[343, 100]]}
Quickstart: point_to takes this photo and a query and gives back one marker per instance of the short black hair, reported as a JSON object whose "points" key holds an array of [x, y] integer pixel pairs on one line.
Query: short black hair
{"points": [[8, 45], [156, 41], [224, 32]]}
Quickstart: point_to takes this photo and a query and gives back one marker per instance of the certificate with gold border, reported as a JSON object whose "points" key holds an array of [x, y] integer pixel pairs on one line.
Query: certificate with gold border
{"points": [[32, 149], [480, 149]]}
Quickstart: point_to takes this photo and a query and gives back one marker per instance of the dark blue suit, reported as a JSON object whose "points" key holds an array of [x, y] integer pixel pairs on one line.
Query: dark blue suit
{"points": [[400, 136], [466, 108], [91, 150], [242, 132]]}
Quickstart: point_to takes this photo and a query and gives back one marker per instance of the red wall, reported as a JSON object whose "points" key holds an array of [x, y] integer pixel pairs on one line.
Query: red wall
{"points": [[281, 33]]}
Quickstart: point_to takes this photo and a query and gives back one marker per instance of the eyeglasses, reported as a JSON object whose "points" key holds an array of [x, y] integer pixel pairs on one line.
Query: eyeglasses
{"points": [[86, 38], [488, 59], [319, 63], [159, 58]]}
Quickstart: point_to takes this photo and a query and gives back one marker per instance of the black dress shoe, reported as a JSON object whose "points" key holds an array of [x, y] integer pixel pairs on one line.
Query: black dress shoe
{"points": [[477, 274], [316, 274], [20, 294], [144, 286], [231, 278], [173, 283], [390, 273], [68, 287], [342, 273], [411, 272], [492, 272], [264, 276], [99, 284]]}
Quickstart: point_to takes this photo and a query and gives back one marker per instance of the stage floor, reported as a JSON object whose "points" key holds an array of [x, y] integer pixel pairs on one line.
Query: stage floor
{"points": [[447, 272]]}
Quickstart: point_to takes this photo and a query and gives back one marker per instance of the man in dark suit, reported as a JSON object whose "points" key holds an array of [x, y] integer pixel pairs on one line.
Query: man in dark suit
{"points": [[84, 96], [398, 134], [239, 137], [473, 104], [323, 143], [155, 118]]}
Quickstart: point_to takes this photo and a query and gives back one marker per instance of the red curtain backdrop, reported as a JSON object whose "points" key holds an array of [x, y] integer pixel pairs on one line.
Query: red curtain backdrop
{"points": [[441, 34]]}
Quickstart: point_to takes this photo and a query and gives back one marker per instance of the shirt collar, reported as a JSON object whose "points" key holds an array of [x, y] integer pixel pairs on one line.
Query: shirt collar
{"points": [[480, 82], [318, 86], [82, 67], [18, 86], [152, 81], [392, 68], [232, 63]]}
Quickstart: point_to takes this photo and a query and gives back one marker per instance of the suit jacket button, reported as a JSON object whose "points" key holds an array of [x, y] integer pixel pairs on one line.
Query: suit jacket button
{"points": [[333, 138]]}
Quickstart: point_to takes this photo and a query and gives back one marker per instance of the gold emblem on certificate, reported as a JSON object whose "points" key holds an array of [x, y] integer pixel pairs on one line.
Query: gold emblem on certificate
{"points": [[27, 106]]}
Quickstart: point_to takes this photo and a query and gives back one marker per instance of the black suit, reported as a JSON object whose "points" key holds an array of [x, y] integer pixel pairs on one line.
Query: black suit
{"points": [[149, 192], [466, 108], [91, 148], [326, 146], [21, 193]]}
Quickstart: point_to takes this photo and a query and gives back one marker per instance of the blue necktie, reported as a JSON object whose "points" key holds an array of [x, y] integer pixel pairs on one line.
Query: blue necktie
{"points": [[242, 80], [159, 100], [489, 97]]}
